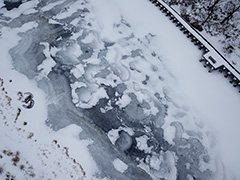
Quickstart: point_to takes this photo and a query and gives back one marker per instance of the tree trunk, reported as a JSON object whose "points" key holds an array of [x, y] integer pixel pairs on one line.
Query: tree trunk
{"points": [[226, 19], [209, 15], [210, 11], [214, 4]]}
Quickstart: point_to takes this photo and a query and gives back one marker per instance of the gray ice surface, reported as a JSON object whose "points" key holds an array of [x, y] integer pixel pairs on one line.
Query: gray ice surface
{"points": [[96, 124]]}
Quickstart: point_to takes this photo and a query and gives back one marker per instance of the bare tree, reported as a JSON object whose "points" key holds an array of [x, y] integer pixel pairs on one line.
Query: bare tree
{"points": [[229, 16], [210, 11]]}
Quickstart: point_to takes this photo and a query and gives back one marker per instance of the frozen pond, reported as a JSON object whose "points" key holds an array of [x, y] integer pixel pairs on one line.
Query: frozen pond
{"points": [[118, 88]]}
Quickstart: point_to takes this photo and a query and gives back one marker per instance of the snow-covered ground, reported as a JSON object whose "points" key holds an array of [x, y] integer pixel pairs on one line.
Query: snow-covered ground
{"points": [[218, 43], [122, 46]]}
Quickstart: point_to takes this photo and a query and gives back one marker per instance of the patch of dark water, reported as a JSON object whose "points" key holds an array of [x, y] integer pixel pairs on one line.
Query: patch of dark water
{"points": [[9, 5]]}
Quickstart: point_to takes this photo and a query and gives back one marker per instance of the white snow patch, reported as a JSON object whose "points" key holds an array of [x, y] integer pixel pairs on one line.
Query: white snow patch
{"points": [[142, 144], [51, 21], [51, 5], [74, 86], [113, 134], [106, 17], [88, 97], [119, 165], [164, 165], [169, 133], [46, 66], [124, 100], [78, 71]]}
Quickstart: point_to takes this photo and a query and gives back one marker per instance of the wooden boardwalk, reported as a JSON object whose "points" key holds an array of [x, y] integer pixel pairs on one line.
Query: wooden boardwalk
{"points": [[212, 59]]}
